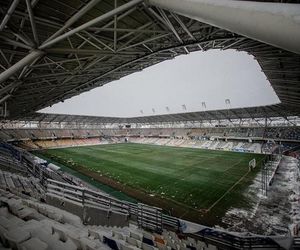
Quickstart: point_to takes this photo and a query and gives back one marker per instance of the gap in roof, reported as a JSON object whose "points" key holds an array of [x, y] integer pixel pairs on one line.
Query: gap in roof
{"points": [[178, 86]]}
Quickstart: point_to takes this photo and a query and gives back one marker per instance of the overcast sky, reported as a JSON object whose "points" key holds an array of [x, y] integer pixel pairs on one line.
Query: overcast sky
{"points": [[189, 80]]}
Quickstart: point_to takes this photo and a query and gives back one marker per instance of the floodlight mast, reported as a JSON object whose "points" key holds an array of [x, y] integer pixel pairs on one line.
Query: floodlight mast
{"points": [[276, 24]]}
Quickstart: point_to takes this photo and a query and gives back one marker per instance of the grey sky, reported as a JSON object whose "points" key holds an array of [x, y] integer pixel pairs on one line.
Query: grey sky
{"points": [[209, 77]]}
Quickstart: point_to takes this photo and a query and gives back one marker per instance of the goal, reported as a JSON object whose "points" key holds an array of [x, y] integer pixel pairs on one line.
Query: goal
{"points": [[252, 164]]}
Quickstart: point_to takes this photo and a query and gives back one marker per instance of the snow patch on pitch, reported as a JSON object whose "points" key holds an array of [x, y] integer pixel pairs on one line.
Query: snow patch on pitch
{"points": [[279, 212]]}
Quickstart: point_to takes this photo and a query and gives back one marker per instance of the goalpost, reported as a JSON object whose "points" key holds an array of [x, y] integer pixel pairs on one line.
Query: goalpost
{"points": [[252, 164]]}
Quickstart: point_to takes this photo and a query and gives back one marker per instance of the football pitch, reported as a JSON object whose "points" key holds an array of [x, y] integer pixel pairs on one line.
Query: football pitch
{"points": [[194, 178]]}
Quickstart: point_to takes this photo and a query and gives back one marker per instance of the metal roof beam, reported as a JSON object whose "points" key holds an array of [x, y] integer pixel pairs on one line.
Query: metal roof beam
{"points": [[144, 41], [61, 61], [3, 99], [35, 54], [169, 24], [92, 22], [8, 14], [285, 87], [97, 40], [126, 13], [183, 26], [74, 18], [126, 30], [6, 40], [90, 52], [9, 87], [32, 22]]}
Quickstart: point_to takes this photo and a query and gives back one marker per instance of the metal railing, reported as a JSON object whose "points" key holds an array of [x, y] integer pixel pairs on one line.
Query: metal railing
{"points": [[146, 216], [268, 171]]}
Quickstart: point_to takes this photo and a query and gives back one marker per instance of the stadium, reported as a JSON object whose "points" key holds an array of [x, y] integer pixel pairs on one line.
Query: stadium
{"points": [[210, 179]]}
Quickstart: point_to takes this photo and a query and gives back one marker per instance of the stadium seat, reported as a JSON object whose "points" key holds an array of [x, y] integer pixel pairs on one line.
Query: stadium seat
{"points": [[15, 236], [134, 242], [145, 246], [33, 244]]}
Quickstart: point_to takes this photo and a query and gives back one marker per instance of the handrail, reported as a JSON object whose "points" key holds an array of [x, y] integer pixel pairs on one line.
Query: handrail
{"points": [[147, 216]]}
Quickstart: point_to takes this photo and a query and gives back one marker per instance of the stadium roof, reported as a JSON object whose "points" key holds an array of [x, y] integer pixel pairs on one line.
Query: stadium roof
{"points": [[53, 50], [239, 113]]}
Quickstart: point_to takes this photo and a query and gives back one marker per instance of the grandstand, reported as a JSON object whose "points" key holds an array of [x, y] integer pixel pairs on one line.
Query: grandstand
{"points": [[62, 182]]}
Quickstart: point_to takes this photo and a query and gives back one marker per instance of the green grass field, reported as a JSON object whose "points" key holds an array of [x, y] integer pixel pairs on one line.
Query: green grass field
{"points": [[193, 177]]}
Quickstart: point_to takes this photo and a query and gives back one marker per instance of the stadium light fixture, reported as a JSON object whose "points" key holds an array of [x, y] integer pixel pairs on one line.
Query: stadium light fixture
{"points": [[227, 101]]}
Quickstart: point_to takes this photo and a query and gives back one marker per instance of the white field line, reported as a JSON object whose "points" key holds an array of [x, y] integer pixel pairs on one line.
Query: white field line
{"points": [[233, 186], [234, 165], [256, 206]]}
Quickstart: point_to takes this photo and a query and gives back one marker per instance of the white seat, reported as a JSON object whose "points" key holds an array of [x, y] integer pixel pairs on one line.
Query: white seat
{"points": [[16, 236], [25, 212], [93, 234], [212, 247], [12, 222], [3, 231], [15, 205], [148, 247], [125, 246], [134, 242], [148, 235], [162, 246], [118, 235], [4, 211], [68, 245], [87, 244], [33, 244], [136, 236]]}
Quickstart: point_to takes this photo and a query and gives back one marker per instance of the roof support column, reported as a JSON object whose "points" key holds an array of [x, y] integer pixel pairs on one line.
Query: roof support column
{"points": [[276, 24], [33, 55]]}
